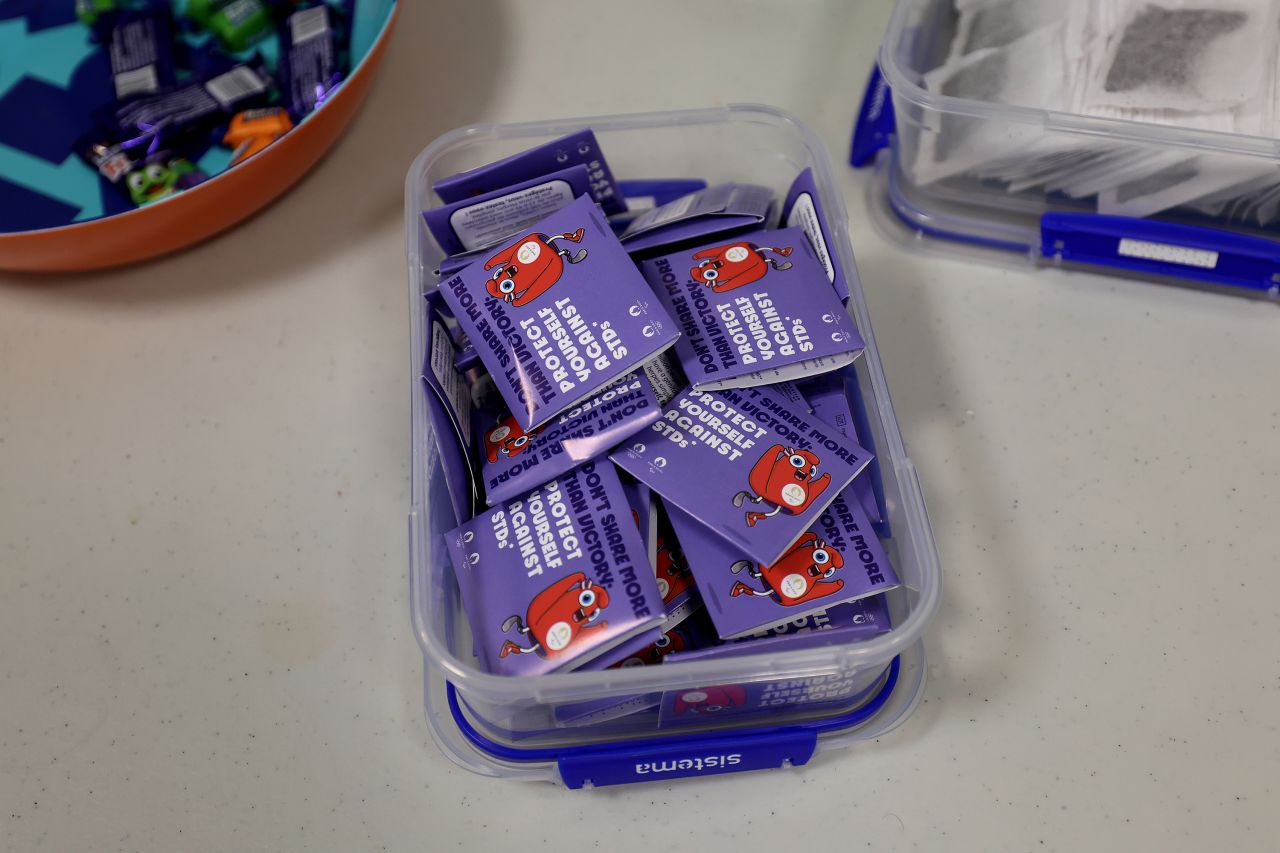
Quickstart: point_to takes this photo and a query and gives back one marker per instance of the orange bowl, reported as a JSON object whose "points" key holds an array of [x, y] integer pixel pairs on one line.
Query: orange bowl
{"points": [[208, 208]]}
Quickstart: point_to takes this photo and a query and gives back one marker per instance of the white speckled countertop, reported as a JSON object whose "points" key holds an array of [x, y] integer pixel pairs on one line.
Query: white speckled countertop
{"points": [[204, 631]]}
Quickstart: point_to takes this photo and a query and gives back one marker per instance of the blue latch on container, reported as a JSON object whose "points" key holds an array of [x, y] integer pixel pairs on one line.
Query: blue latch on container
{"points": [[626, 763], [1162, 248], [875, 122]]}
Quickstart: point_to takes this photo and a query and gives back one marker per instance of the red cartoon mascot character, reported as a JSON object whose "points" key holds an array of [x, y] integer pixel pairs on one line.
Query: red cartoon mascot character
{"points": [[526, 268], [507, 438], [558, 617], [803, 574], [786, 478], [711, 700], [672, 641], [672, 571], [726, 267]]}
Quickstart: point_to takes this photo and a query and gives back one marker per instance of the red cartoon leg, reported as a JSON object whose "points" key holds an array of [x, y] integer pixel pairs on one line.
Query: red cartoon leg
{"points": [[572, 237], [740, 588], [753, 517], [742, 497], [509, 648]]}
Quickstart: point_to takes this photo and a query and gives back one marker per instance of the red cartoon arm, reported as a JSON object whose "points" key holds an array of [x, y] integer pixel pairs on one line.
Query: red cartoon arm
{"points": [[502, 257], [708, 253], [820, 484], [565, 584]]}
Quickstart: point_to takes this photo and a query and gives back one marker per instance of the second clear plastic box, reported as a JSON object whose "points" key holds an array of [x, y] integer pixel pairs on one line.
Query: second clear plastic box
{"points": [[1199, 239], [506, 726]]}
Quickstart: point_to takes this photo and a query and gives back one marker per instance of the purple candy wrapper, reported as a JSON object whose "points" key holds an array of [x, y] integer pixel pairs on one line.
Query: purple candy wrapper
{"points": [[140, 46], [449, 409], [753, 311], [555, 578], [746, 463], [476, 223], [187, 110], [837, 560], [803, 209], [719, 210], [516, 461], [830, 404], [310, 60], [578, 148], [558, 314]]}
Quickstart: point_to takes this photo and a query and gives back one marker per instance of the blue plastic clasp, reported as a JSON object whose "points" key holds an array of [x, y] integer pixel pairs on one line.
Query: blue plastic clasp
{"points": [[874, 127], [709, 756], [1162, 248]]}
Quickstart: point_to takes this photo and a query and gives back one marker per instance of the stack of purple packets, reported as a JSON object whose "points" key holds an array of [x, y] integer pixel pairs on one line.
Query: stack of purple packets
{"points": [[648, 429]]}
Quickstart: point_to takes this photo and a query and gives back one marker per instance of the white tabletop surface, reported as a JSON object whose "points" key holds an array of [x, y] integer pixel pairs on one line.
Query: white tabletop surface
{"points": [[204, 630]]}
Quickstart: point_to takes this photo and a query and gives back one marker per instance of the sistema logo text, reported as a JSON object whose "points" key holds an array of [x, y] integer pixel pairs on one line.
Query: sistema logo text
{"points": [[705, 762]]}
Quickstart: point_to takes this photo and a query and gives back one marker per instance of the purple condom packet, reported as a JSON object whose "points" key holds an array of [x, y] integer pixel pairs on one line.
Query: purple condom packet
{"points": [[803, 209], [479, 222], [516, 460], [449, 410], [558, 314], [643, 509], [577, 148], [556, 577], [837, 560], [755, 310], [692, 634], [845, 623], [829, 400], [851, 622], [718, 210], [671, 567], [747, 463]]}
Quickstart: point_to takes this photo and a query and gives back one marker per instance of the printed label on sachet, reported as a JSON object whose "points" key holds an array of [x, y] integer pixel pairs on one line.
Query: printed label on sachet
{"points": [[803, 209], [475, 223]]}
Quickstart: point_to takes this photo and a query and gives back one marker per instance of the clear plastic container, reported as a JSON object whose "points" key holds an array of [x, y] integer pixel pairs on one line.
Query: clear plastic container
{"points": [[506, 726], [1201, 234]]}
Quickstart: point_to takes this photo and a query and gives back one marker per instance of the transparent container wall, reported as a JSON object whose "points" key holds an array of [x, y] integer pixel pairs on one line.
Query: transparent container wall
{"points": [[740, 143], [988, 171]]}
